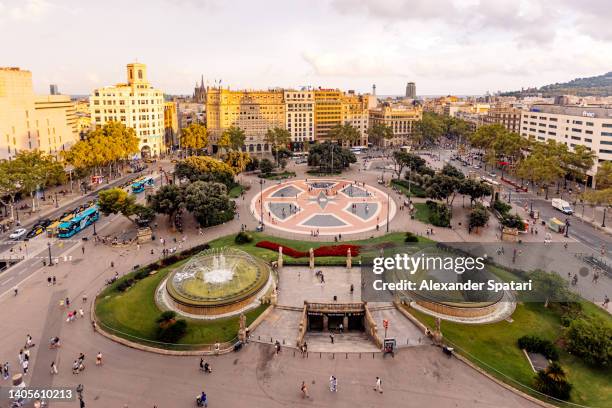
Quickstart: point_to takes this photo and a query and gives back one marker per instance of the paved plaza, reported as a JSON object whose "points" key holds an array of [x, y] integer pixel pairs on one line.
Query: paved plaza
{"points": [[328, 207]]}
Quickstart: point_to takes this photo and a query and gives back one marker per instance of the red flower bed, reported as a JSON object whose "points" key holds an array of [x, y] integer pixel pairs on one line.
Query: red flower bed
{"points": [[333, 250], [337, 250]]}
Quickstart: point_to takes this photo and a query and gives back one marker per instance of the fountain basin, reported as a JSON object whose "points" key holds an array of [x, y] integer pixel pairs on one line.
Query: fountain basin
{"points": [[216, 282]]}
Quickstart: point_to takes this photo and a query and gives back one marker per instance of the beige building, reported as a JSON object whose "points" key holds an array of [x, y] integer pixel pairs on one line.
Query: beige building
{"points": [[355, 113], [136, 104], [29, 121], [400, 118], [573, 125], [170, 124], [252, 111], [507, 116], [299, 116]]}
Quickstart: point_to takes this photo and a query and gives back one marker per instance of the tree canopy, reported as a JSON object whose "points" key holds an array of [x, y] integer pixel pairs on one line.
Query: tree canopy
{"points": [[209, 203], [232, 138], [194, 137], [344, 134], [205, 168], [330, 156], [378, 133]]}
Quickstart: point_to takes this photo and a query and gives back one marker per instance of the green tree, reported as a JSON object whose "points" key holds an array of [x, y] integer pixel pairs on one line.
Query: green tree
{"points": [[344, 134], [451, 171], [194, 137], [428, 130], [603, 177], [330, 157], [266, 166], [276, 138], [475, 189], [118, 201], [36, 170], [549, 286], [205, 168], [10, 185], [209, 203], [378, 133], [591, 340], [167, 200], [232, 138], [238, 161], [479, 216]]}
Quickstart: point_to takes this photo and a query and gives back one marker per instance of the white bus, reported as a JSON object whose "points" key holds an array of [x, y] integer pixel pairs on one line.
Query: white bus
{"points": [[359, 149]]}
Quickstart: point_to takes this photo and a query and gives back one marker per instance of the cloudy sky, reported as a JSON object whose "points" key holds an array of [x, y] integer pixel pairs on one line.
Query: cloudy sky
{"points": [[445, 46]]}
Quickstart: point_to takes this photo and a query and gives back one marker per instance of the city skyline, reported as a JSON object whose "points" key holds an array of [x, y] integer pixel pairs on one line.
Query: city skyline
{"points": [[355, 44]]}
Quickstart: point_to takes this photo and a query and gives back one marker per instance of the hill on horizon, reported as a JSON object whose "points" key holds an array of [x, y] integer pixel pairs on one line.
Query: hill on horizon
{"points": [[600, 85]]}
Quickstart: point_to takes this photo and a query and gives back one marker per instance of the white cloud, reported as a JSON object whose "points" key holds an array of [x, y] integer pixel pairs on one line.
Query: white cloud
{"points": [[27, 10]]}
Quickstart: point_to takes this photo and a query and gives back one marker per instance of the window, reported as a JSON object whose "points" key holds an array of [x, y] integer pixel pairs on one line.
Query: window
{"points": [[588, 140], [588, 132], [552, 126], [606, 134], [607, 125], [605, 151], [576, 130], [606, 142], [575, 138], [589, 123]]}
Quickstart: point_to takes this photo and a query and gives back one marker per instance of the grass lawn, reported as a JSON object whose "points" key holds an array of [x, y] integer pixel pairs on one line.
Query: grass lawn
{"points": [[494, 348], [395, 238], [415, 190], [134, 312], [422, 212], [236, 191]]}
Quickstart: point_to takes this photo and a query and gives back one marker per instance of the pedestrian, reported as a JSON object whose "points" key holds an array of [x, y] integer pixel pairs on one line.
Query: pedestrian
{"points": [[81, 314], [304, 390], [20, 357], [54, 279], [331, 337], [48, 281], [83, 250], [378, 385], [29, 342], [333, 384], [341, 328], [53, 368], [138, 247], [99, 358], [67, 302], [5, 371], [16, 290], [25, 366]]}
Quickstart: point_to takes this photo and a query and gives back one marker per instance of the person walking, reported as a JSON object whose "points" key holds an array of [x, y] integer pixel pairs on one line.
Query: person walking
{"points": [[378, 385], [53, 368], [25, 365], [333, 384], [99, 358], [5, 371], [81, 313], [331, 337], [304, 389], [54, 279], [83, 250]]}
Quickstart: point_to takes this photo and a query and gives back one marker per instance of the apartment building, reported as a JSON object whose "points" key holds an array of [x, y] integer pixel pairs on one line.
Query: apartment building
{"points": [[355, 113], [573, 125], [252, 111], [328, 112], [170, 124], [136, 104], [402, 120], [507, 116], [299, 117], [29, 121]]}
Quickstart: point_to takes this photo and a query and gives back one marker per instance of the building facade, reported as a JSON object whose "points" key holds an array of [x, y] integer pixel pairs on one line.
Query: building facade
{"points": [[572, 125], [299, 117], [29, 121], [507, 116], [136, 104], [328, 112], [252, 111], [355, 113], [400, 118], [170, 124]]}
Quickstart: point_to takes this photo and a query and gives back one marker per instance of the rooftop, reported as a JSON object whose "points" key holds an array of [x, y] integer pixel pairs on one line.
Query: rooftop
{"points": [[583, 111]]}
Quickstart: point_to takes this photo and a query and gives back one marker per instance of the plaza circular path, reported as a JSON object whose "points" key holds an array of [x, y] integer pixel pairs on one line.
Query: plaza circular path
{"points": [[323, 207]]}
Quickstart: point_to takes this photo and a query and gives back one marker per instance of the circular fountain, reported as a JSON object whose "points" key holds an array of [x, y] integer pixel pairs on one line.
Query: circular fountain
{"points": [[216, 283]]}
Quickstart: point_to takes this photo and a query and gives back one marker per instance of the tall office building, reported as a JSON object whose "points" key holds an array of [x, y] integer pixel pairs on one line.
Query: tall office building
{"points": [[136, 104], [29, 121], [53, 90], [410, 90]]}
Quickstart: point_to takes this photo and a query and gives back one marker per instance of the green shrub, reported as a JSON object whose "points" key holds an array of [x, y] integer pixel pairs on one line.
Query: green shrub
{"points": [[125, 284], [140, 275], [501, 207], [591, 340], [173, 332], [534, 344], [410, 237], [243, 238], [439, 214], [513, 221], [166, 317]]}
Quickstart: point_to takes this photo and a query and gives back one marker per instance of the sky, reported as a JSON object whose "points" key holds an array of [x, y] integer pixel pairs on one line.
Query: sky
{"points": [[463, 47]]}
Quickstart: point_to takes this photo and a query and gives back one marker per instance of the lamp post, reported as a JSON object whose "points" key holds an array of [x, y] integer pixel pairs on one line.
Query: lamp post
{"points": [[567, 225], [49, 248], [388, 206], [56, 203], [261, 183], [94, 226], [603, 220]]}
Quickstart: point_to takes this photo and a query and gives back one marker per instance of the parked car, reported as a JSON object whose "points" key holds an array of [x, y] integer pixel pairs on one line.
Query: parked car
{"points": [[492, 175], [18, 233]]}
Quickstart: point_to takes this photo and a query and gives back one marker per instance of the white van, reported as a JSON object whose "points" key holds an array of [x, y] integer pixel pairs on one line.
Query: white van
{"points": [[562, 206]]}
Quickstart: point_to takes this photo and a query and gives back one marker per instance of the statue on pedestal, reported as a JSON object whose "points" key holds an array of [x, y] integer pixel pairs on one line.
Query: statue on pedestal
{"points": [[349, 260], [311, 254], [280, 257]]}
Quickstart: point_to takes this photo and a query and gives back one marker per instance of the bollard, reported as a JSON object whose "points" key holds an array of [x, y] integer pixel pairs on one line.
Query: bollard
{"points": [[319, 354], [333, 356], [283, 342], [372, 356], [347, 356], [271, 340], [258, 337], [360, 356], [293, 353]]}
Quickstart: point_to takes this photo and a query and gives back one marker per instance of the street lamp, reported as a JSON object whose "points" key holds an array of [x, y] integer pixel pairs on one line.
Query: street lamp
{"points": [[94, 226], [603, 220], [388, 206], [56, 204], [49, 248], [567, 225], [261, 183]]}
